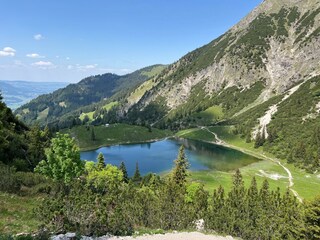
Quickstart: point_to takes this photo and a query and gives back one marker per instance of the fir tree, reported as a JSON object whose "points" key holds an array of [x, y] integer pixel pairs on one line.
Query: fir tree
{"points": [[93, 135], [100, 162], [260, 139], [137, 175], [252, 204], [179, 174], [236, 205], [124, 171], [312, 219]]}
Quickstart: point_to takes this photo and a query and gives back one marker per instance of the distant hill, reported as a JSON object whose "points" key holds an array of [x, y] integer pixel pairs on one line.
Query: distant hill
{"points": [[54, 108], [17, 93]]}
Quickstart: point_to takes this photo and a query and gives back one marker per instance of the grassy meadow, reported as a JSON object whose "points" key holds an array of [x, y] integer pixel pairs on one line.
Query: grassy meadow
{"points": [[114, 134], [305, 184]]}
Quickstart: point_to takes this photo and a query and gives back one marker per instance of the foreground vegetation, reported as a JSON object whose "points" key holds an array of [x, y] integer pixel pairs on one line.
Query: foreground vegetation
{"points": [[95, 199]]}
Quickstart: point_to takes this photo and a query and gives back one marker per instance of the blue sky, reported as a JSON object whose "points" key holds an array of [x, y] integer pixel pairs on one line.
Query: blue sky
{"points": [[66, 40]]}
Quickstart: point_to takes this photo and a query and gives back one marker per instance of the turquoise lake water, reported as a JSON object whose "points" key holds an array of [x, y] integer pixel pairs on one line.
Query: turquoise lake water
{"points": [[158, 157]]}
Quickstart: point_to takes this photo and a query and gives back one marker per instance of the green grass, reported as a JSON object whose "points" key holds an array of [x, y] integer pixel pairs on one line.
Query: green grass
{"points": [[154, 71], [140, 91], [196, 134], [16, 214], [110, 105], [43, 114], [106, 107], [114, 134], [89, 114], [210, 115], [307, 185]]}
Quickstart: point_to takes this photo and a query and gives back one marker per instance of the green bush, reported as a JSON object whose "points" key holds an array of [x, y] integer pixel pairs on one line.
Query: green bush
{"points": [[8, 179]]}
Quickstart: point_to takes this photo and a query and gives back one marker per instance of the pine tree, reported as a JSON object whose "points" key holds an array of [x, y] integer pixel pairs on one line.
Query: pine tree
{"points": [[179, 173], [36, 150], [93, 135], [100, 162], [137, 175], [260, 139], [265, 216], [312, 219], [216, 218], [290, 157], [124, 171], [252, 205], [236, 205], [291, 214]]}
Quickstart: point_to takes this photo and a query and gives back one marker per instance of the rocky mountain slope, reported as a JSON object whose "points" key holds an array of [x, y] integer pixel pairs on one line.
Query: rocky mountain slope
{"points": [[262, 76], [276, 45]]}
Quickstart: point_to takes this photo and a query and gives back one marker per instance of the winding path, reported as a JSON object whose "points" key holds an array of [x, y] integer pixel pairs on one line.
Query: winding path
{"points": [[219, 141]]}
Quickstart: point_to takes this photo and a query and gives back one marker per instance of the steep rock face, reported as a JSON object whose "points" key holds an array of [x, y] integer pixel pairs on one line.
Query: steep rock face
{"points": [[277, 43]]}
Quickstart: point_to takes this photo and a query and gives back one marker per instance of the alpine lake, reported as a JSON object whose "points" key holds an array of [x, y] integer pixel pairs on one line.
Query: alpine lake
{"points": [[158, 157]]}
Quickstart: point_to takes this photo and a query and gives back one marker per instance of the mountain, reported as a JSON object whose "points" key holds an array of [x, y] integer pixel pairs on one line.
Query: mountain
{"points": [[17, 93], [263, 76], [51, 108]]}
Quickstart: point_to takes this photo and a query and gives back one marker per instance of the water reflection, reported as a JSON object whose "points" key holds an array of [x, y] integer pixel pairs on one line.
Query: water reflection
{"points": [[158, 156]]}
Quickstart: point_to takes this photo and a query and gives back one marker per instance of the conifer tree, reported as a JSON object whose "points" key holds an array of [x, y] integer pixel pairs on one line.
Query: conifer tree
{"points": [[260, 139], [252, 205], [216, 217], [100, 162], [137, 175], [292, 215], [236, 205], [124, 171], [312, 219], [93, 135], [35, 150], [179, 173]]}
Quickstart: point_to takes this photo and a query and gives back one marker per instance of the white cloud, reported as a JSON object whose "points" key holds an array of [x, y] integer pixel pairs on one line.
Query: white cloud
{"points": [[67, 58], [90, 66], [38, 37], [70, 67], [44, 65], [7, 52], [86, 67], [34, 55]]}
